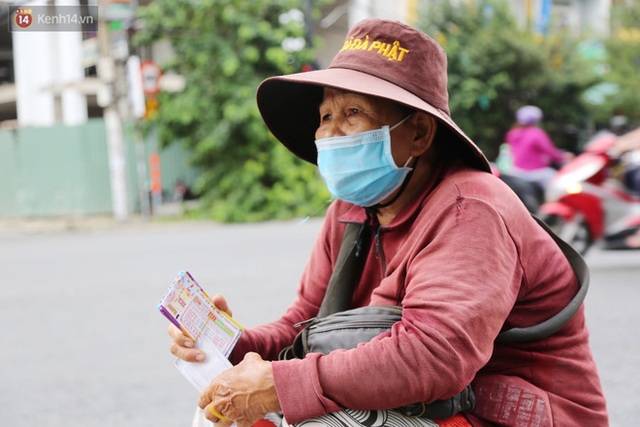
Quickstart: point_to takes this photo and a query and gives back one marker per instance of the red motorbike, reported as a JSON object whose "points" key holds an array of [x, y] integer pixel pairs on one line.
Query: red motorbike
{"points": [[585, 203]]}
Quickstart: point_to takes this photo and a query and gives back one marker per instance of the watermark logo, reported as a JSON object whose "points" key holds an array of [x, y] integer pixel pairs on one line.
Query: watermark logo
{"points": [[54, 18], [23, 18]]}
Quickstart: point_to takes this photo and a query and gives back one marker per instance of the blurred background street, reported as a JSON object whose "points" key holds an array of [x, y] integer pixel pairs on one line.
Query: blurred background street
{"points": [[84, 346]]}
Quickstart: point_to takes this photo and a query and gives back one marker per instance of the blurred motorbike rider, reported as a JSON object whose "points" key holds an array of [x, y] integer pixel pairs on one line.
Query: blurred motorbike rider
{"points": [[532, 151]]}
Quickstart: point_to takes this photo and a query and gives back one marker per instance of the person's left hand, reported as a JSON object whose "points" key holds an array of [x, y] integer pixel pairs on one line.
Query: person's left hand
{"points": [[243, 393], [182, 345]]}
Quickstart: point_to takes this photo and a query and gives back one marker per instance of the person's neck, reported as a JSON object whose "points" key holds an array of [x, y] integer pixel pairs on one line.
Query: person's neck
{"points": [[413, 188]]}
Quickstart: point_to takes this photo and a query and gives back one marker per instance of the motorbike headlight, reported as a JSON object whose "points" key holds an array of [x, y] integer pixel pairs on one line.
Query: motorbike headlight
{"points": [[575, 188]]}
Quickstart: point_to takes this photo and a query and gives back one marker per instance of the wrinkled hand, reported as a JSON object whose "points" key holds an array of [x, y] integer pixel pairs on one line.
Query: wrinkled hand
{"points": [[182, 345], [243, 393]]}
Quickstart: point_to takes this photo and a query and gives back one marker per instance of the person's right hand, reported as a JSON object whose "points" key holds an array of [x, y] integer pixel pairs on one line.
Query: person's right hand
{"points": [[182, 346]]}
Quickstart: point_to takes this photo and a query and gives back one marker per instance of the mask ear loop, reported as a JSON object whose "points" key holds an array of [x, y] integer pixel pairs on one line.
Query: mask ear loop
{"points": [[407, 162], [400, 122]]}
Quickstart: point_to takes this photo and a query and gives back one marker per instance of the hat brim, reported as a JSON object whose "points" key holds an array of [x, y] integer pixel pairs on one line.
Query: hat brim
{"points": [[289, 107]]}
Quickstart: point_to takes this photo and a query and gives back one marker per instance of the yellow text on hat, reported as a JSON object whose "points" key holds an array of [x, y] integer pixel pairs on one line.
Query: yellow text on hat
{"points": [[392, 51]]}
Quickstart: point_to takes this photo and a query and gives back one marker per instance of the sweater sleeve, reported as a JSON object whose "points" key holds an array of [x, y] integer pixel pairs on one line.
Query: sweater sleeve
{"points": [[269, 339], [460, 281], [548, 148]]}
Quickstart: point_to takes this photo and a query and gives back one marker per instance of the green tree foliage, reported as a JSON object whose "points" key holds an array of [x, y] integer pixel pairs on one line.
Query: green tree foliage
{"points": [[224, 49], [495, 67], [621, 70]]}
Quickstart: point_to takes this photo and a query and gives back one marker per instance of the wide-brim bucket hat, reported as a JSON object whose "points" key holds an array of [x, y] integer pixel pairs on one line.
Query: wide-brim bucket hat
{"points": [[380, 58]]}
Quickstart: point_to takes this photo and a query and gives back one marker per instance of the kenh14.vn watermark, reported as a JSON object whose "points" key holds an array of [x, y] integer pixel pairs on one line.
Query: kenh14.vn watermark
{"points": [[53, 18]]}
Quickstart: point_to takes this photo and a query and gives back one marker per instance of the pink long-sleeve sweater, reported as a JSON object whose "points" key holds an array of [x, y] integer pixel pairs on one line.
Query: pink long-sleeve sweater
{"points": [[465, 261]]}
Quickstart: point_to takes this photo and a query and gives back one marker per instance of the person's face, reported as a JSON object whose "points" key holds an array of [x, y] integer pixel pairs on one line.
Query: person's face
{"points": [[346, 113]]}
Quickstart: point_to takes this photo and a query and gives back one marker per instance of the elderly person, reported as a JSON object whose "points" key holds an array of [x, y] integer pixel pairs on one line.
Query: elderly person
{"points": [[454, 247]]}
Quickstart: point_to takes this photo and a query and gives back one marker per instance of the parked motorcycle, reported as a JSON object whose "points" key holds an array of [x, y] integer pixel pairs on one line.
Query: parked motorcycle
{"points": [[586, 204]]}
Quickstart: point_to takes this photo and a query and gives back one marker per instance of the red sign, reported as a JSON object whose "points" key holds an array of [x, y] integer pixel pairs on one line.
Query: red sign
{"points": [[154, 172], [151, 73]]}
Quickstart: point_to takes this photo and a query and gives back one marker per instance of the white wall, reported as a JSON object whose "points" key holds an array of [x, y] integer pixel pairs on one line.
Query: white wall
{"points": [[46, 64]]}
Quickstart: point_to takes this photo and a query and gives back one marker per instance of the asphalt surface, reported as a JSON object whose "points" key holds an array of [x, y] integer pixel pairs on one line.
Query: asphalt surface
{"points": [[84, 345]]}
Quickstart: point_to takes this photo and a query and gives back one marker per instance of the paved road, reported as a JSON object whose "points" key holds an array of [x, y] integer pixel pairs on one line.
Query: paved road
{"points": [[84, 346]]}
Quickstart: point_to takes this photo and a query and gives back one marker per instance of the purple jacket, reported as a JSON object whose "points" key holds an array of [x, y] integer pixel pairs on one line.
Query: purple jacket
{"points": [[531, 148], [465, 260]]}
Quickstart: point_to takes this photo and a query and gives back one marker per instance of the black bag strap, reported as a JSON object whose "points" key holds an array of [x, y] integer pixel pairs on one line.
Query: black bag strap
{"points": [[353, 254], [344, 278], [348, 269], [554, 323]]}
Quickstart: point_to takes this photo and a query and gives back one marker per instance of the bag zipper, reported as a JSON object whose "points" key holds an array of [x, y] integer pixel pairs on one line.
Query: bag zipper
{"points": [[304, 322]]}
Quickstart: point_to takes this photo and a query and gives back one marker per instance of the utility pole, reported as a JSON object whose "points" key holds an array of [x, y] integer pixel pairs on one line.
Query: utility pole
{"points": [[108, 72], [308, 23]]}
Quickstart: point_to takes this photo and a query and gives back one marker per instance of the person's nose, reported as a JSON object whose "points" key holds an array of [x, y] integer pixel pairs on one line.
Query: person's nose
{"points": [[332, 128]]}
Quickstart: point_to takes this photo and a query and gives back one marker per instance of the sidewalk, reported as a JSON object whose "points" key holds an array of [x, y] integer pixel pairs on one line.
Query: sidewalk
{"points": [[169, 212], [61, 224]]}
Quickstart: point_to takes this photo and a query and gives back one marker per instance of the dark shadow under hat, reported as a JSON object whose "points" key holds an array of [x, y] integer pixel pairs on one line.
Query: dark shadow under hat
{"points": [[381, 58]]}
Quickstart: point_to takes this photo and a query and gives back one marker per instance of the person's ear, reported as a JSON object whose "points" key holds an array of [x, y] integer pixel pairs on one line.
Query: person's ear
{"points": [[426, 127]]}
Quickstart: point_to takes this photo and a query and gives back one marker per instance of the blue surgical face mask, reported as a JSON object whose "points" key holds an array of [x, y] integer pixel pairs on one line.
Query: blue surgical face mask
{"points": [[360, 168]]}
